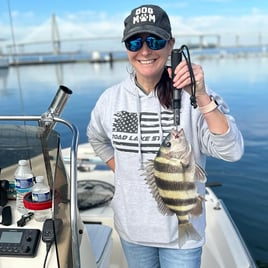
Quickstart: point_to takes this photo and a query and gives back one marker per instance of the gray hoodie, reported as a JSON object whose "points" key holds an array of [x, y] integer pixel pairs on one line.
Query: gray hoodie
{"points": [[129, 125]]}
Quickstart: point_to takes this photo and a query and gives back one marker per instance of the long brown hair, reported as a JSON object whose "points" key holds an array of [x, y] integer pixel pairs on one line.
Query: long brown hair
{"points": [[164, 90]]}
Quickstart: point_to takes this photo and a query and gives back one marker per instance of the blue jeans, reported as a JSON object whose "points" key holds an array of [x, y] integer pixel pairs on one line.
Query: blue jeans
{"points": [[139, 256]]}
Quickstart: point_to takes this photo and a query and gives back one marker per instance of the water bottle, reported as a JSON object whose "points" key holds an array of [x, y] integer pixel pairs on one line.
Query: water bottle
{"points": [[42, 197], [24, 182]]}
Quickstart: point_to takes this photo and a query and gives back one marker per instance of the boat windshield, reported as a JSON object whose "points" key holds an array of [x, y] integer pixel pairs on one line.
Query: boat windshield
{"points": [[44, 155]]}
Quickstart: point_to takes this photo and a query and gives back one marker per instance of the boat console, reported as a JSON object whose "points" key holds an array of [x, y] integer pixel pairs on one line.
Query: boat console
{"points": [[64, 240]]}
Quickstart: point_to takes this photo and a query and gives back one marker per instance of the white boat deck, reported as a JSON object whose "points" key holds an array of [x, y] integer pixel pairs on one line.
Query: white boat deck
{"points": [[224, 246]]}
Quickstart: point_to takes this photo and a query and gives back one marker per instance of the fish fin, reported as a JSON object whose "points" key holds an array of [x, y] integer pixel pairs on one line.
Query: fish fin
{"points": [[150, 180], [187, 232], [198, 209], [200, 174]]}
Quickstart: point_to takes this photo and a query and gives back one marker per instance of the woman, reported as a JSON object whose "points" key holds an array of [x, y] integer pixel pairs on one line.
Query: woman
{"points": [[128, 125]]}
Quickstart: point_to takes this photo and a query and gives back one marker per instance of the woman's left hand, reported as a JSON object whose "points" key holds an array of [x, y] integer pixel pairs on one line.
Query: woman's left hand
{"points": [[182, 78]]}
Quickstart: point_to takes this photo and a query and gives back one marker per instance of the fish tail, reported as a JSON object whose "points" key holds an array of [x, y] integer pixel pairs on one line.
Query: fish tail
{"points": [[187, 232]]}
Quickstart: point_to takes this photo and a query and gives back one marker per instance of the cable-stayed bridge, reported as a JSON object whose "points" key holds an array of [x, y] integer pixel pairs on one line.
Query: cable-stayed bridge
{"points": [[46, 46]]}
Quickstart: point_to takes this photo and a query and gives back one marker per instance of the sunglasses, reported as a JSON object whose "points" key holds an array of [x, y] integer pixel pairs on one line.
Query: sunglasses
{"points": [[135, 43]]}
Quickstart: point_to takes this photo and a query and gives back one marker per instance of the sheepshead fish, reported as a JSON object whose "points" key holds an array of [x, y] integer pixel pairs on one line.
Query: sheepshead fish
{"points": [[172, 177]]}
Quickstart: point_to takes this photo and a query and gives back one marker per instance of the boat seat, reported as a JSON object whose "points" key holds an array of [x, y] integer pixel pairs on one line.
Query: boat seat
{"points": [[101, 242]]}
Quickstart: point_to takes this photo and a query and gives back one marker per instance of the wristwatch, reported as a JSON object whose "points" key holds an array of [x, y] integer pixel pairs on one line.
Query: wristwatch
{"points": [[209, 107]]}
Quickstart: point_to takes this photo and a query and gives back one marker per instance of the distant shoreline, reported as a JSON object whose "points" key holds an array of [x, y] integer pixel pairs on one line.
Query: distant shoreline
{"points": [[110, 57]]}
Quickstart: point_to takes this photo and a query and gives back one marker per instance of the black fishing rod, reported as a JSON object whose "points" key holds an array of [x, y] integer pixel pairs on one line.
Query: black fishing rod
{"points": [[176, 58]]}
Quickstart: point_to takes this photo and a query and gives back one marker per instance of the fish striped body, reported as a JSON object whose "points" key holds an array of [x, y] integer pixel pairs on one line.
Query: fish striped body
{"points": [[172, 177]]}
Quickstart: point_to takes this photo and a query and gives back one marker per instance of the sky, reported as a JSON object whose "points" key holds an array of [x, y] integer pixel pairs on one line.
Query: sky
{"points": [[31, 19]]}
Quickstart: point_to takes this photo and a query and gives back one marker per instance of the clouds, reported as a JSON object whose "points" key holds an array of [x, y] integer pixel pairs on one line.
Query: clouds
{"points": [[186, 18]]}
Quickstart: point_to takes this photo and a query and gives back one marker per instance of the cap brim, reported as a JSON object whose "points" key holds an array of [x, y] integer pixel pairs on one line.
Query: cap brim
{"points": [[147, 29]]}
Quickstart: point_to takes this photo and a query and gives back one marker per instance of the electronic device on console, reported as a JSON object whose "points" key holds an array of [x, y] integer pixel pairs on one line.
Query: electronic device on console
{"points": [[19, 242]]}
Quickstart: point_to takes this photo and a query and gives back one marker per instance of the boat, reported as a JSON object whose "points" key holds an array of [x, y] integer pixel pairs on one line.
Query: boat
{"points": [[224, 246], [4, 64], [77, 237]]}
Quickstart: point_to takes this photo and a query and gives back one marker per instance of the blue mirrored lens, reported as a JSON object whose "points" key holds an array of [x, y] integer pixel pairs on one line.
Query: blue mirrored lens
{"points": [[134, 45], [152, 42]]}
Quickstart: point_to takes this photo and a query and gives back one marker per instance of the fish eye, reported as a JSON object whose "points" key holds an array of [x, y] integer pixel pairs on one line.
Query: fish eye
{"points": [[168, 144]]}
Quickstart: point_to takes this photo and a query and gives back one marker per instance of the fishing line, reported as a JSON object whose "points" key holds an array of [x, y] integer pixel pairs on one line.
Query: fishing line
{"points": [[14, 52]]}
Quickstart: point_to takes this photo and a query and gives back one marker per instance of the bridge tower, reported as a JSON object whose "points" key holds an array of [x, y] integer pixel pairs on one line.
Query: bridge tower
{"points": [[55, 36]]}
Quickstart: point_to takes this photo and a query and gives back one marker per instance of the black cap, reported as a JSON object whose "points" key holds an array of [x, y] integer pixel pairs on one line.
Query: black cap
{"points": [[147, 19]]}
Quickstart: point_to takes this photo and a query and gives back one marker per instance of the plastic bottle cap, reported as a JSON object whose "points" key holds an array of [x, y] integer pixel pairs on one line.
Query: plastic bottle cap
{"points": [[39, 178], [22, 162]]}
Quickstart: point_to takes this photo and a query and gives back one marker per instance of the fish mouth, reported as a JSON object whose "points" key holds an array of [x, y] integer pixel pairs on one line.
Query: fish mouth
{"points": [[176, 133]]}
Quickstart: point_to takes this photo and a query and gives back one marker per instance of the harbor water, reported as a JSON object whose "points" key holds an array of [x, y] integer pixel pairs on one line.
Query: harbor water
{"points": [[243, 83]]}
